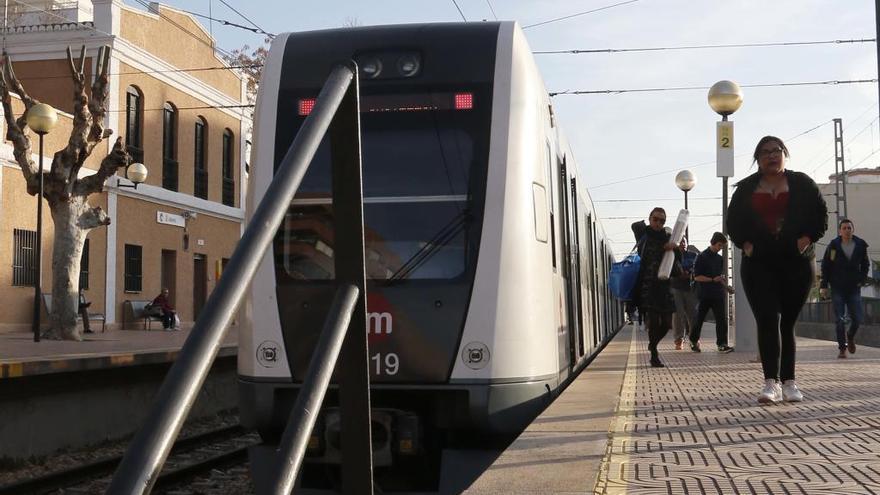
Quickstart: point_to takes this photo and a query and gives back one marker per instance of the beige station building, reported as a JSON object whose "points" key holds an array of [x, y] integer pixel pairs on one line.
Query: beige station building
{"points": [[181, 111]]}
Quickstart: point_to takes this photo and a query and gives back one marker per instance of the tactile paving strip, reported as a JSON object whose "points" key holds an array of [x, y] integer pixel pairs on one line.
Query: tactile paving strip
{"points": [[695, 426]]}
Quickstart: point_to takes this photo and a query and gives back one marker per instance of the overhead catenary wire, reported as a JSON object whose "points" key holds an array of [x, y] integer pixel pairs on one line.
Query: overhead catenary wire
{"points": [[254, 24], [160, 71], [489, 3], [174, 23], [702, 47], [698, 165], [703, 88], [459, 11], [557, 19], [210, 17]]}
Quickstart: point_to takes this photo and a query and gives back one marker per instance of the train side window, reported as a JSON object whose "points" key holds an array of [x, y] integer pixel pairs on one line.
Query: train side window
{"points": [[539, 203], [549, 168]]}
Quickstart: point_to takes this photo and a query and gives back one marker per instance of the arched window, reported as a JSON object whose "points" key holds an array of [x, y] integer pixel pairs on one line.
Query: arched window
{"points": [[228, 171], [169, 147], [134, 117], [200, 188]]}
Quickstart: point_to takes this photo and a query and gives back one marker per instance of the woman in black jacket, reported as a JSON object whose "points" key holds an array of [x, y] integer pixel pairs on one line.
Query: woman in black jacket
{"points": [[775, 216], [654, 296]]}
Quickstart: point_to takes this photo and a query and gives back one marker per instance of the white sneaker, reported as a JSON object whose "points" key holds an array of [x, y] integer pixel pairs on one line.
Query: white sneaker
{"points": [[790, 392], [771, 393]]}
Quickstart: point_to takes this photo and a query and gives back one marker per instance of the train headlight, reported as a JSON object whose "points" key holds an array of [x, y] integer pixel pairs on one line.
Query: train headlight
{"points": [[371, 68], [408, 65]]}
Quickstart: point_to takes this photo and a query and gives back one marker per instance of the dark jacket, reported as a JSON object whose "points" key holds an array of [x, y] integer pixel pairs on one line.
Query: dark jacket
{"points": [[841, 273], [652, 293], [806, 215], [709, 264]]}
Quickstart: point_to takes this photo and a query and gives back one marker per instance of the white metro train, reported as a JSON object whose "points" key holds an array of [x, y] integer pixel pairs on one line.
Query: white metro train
{"points": [[486, 266]]}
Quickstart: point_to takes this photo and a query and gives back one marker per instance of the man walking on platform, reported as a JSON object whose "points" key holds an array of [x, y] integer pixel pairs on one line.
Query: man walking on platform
{"points": [[845, 269], [712, 293]]}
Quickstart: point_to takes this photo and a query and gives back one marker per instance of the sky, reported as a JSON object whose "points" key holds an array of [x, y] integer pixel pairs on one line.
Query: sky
{"points": [[629, 146]]}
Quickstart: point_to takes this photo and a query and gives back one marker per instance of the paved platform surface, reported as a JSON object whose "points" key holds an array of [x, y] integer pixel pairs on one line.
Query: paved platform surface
{"points": [[695, 426], [21, 356]]}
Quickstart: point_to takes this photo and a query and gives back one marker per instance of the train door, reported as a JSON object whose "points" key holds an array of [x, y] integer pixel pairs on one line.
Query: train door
{"points": [[577, 290], [594, 280], [569, 272]]}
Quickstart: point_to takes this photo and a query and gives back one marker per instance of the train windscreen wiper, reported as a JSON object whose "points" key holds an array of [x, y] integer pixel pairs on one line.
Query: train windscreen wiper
{"points": [[440, 239]]}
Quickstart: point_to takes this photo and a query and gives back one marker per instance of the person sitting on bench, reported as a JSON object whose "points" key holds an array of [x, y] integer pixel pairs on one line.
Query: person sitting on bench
{"points": [[163, 304]]}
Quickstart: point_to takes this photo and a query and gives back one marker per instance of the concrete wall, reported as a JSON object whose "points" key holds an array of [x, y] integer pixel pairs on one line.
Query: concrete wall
{"points": [[44, 414]]}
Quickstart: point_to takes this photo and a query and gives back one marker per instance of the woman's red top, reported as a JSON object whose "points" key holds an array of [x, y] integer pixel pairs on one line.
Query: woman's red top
{"points": [[770, 209]]}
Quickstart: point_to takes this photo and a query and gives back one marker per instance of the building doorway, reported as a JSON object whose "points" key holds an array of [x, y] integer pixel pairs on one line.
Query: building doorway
{"points": [[169, 273], [200, 283]]}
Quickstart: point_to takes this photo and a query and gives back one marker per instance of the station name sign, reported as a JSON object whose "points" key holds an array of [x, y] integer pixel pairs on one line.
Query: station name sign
{"points": [[170, 219]]}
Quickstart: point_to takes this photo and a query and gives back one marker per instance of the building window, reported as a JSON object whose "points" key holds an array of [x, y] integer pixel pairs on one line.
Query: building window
{"points": [[228, 175], [169, 147], [24, 258], [200, 189], [133, 118], [133, 268], [84, 267]]}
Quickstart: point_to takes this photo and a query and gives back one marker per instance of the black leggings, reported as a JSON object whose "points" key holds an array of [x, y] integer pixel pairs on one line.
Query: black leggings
{"points": [[776, 290], [658, 326]]}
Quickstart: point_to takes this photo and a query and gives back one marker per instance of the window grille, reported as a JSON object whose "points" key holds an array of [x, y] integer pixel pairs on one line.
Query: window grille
{"points": [[24, 259], [133, 268]]}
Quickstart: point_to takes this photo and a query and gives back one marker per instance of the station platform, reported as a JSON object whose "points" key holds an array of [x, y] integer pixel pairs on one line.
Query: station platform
{"points": [[696, 427], [20, 356]]}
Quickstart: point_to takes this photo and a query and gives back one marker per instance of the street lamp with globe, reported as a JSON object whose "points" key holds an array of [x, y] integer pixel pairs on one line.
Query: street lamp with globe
{"points": [[725, 98], [41, 118], [686, 180]]}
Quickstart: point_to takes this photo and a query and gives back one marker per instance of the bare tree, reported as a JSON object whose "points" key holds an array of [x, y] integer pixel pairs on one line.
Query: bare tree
{"points": [[66, 194]]}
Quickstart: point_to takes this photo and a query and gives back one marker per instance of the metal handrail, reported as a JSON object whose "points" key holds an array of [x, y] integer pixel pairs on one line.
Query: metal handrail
{"points": [[295, 440], [148, 450]]}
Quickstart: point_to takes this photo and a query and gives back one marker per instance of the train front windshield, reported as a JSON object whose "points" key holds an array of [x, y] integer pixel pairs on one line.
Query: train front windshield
{"points": [[424, 169]]}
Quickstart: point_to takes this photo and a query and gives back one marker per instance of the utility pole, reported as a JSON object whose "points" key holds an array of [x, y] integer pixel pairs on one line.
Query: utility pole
{"points": [[839, 171]]}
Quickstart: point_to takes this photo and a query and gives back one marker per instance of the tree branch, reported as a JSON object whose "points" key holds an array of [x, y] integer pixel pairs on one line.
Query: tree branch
{"points": [[93, 217], [117, 158], [66, 166], [21, 143]]}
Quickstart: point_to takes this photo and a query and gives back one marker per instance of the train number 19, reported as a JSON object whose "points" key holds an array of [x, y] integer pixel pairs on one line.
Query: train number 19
{"points": [[391, 364]]}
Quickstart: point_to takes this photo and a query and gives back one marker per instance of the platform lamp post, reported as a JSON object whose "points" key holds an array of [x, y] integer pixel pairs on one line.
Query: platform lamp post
{"points": [[725, 98], [686, 180], [41, 118]]}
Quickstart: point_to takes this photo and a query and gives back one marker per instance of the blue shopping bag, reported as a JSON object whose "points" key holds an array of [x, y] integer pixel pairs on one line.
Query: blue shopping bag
{"points": [[623, 276]]}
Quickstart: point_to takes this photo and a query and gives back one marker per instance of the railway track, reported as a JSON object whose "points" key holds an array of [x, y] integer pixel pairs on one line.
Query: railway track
{"points": [[191, 457]]}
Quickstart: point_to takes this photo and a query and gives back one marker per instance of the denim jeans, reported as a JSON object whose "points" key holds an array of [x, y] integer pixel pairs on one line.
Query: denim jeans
{"points": [[844, 303]]}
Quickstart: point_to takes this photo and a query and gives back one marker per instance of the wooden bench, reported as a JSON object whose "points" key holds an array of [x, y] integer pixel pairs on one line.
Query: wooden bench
{"points": [[47, 302], [133, 311]]}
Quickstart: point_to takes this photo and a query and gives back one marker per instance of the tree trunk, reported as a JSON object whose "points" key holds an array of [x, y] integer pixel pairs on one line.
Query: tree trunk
{"points": [[70, 237]]}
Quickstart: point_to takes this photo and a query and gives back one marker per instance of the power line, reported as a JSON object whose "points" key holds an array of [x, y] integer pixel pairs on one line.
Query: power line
{"points": [[698, 165], [174, 23], [493, 10], [643, 217], [254, 24], [161, 71], [694, 88], [459, 10], [578, 14], [703, 47], [228, 23], [647, 200]]}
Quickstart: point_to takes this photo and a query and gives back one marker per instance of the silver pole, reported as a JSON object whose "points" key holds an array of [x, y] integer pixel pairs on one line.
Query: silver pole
{"points": [[146, 454], [308, 401]]}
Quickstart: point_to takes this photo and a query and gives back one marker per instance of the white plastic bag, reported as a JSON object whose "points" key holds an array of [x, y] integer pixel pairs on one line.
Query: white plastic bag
{"points": [[677, 233], [176, 322]]}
